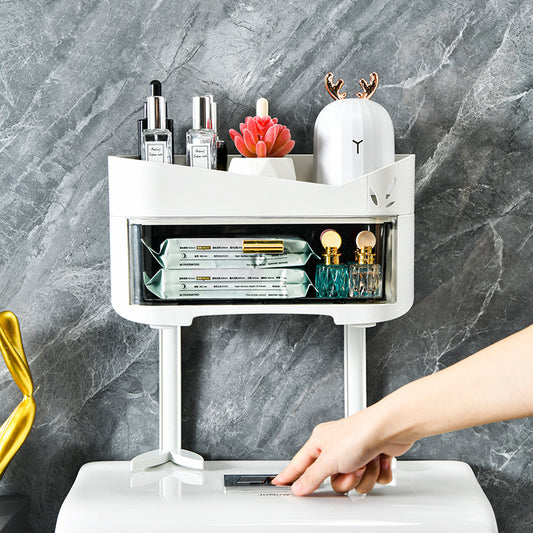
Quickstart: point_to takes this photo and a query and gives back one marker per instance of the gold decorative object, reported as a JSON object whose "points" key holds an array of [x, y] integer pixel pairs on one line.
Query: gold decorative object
{"points": [[368, 88], [334, 88], [271, 246], [15, 429]]}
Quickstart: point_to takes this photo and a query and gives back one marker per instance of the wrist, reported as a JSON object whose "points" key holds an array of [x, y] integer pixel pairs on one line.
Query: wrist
{"points": [[396, 419]]}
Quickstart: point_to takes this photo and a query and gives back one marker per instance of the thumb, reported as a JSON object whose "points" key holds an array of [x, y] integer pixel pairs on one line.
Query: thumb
{"points": [[312, 477]]}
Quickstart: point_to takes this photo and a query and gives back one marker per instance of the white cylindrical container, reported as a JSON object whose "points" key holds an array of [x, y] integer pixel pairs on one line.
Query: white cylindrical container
{"points": [[353, 136]]}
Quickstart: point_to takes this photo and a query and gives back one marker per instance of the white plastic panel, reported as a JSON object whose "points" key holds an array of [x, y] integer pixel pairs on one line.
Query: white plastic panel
{"points": [[146, 189]]}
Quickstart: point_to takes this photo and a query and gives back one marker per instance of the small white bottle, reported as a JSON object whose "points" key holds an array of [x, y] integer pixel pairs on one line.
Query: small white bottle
{"points": [[156, 140], [201, 139]]}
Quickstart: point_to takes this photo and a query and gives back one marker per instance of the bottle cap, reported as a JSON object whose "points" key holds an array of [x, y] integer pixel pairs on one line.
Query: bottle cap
{"points": [[155, 88], [365, 241], [331, 241], [201, 113], [156, 108]]}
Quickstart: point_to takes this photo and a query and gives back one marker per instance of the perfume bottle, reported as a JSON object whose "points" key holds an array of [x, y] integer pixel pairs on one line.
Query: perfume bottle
{"points": [[141, 126], [156, 138], [201, 150], [365, 278], [222, 149], [331, 277]]}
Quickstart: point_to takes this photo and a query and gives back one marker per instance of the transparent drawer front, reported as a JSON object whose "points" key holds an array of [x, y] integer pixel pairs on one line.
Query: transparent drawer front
{"points": [[180, 264]]}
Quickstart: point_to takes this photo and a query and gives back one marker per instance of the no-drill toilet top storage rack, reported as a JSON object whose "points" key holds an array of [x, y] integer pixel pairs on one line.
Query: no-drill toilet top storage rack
{"points": [[147, 195]]}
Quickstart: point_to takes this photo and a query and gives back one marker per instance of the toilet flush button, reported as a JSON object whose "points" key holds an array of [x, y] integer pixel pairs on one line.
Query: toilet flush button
{"points": [[252, 483], [248, 480]]}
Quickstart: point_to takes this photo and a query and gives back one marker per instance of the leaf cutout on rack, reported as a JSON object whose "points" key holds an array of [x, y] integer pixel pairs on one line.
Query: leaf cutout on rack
{"points": [[390, 189], [390, 204], [373, 196]]}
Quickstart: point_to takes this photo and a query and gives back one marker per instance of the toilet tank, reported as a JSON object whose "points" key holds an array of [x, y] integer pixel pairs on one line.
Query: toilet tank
{"points": [[425, 497]]}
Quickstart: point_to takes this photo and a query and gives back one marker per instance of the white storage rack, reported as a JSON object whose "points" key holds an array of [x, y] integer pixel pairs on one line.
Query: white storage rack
{"points": [[150, 193]]}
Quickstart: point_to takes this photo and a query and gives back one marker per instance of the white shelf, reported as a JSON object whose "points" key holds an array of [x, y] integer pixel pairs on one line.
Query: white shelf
{"points": [[149, 193], [155, 190], [154, 193]]}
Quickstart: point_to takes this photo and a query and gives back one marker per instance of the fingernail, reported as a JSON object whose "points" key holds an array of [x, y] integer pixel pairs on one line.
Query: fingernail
{"points": [[296, 487], [385, 464], [274, 480], [360, 472]]}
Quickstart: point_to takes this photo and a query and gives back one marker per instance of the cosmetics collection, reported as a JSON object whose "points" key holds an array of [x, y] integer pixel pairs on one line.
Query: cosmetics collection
{"points": [[352, 137], [361, 278], [262, 267], [155, 132]]}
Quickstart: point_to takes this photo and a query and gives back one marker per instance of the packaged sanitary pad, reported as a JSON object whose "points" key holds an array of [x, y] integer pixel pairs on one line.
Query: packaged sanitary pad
{"points": [[229, 283], [247, 253]]}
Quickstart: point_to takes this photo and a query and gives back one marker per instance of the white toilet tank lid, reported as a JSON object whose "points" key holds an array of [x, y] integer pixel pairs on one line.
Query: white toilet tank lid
{"points": [[426, 496]]}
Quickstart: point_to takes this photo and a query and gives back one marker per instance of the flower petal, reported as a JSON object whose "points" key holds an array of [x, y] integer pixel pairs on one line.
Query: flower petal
{"points": [[249, 140], [270, 137], [260, 149], [241, 147], [283, 150], [283, 137]]}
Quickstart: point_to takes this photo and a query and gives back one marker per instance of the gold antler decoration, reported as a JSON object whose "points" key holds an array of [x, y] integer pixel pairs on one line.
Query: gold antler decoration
{"points": [[368, 88], [15, 429], [334, 88]]}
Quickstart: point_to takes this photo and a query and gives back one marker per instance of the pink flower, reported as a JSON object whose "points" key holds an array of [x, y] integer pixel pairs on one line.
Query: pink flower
{"points": [[262, 137]]}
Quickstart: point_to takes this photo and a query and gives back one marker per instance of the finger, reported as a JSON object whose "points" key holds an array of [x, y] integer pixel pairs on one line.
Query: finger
{"points": [[345, 482], [312, 477], [369, 477], [385, 470], [304, 458]]}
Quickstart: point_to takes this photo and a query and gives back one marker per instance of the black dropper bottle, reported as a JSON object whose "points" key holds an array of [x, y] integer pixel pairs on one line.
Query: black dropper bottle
{"points": [[142, 123]]}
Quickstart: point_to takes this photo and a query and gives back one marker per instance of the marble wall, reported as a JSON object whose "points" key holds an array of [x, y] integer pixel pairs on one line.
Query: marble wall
{"points": [[456, 79]]}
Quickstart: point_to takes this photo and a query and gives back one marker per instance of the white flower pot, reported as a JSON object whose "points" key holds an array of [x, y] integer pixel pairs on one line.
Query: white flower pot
{"points": [[274, 167]]}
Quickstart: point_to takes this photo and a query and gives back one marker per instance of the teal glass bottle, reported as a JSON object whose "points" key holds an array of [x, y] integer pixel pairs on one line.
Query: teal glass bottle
{"points": [[365, 278], [331, 277]]}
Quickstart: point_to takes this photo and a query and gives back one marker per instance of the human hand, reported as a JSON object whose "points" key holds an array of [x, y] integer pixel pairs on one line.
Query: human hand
{"points": [[354, 451]]}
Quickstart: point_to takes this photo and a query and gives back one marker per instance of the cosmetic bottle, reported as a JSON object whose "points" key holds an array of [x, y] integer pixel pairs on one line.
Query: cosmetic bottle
{"points": [[201, 142], [331, 278], [141, 126], [365, 277], [222, 149], [156, 139]]}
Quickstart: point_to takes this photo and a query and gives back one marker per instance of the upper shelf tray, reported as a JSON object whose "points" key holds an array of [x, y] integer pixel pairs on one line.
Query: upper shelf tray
{"points": [[141, 189]]}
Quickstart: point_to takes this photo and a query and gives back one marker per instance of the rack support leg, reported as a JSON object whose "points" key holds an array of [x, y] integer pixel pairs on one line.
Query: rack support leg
{"points": [[169, 408], [354, 369]]}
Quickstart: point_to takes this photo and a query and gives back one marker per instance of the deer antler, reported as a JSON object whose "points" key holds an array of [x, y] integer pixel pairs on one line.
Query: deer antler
{"points": [[368, 88], [334, 88]]}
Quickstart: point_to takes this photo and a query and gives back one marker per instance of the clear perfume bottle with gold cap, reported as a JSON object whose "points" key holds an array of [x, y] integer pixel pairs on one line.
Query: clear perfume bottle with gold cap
{"points": [[331, 278], [365, 277]]}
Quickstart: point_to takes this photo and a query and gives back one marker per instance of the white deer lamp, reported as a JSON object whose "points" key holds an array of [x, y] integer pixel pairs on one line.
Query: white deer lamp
{"points": [[353, 136]]}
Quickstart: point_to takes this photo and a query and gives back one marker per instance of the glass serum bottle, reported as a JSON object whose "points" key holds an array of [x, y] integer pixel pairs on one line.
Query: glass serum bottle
{"points": [[156, 139], [331, 277], [201, 139], [222, 149], [365, 277]]}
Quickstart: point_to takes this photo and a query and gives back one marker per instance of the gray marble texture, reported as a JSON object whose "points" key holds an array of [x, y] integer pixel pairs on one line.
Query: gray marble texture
{"points": [[456, 79]]}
